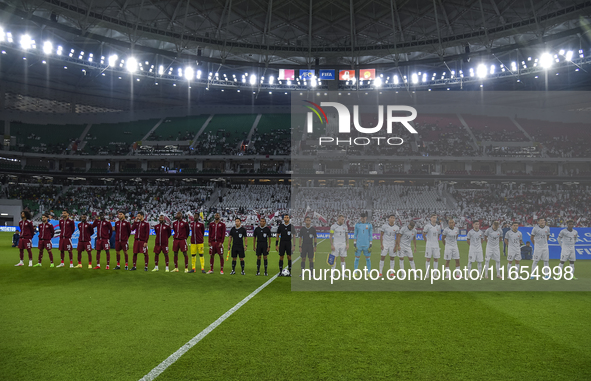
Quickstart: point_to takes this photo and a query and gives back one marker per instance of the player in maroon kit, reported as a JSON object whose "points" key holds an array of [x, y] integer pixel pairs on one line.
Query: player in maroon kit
{"points": [[181, 233], [86, 232], [27, 231], [104, 229], [198, 229], [67, 228], [142, 234], [46, 232], [163, 233], [122, 233], [217, 234]]}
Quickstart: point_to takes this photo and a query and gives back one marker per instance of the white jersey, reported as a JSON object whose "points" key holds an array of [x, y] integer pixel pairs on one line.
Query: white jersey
{"points": [[406, 236], [493, 236], [451, 236], [431, 234], [475, 238], [567, 239], [340, 234], [541, 235], [389, 234], [514, 239]]}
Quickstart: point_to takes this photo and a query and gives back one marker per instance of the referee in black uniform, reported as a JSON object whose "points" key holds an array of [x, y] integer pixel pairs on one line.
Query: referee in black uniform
{"points": [[262, 243], [238, 243], [283, 243], [308, 243]]}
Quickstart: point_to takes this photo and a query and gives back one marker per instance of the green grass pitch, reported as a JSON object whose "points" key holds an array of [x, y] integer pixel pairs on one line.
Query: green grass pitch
{"points": [[81, 324]]}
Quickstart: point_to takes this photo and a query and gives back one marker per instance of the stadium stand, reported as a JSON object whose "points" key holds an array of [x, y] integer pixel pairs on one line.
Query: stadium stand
{"points": [[493, 128], [223, 135], [116, 138], [181, 128], [272, 136], [44, 138]]}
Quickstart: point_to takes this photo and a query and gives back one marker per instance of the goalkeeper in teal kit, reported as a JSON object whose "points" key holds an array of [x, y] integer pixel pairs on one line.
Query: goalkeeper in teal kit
{"points": [[362, 239]]}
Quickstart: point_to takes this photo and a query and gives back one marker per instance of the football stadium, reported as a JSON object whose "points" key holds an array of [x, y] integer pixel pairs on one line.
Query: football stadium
{"points": [[295, 190]]}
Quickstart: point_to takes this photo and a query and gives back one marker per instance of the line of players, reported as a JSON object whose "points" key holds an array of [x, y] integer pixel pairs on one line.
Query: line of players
{"points": [[396, 242], [180, 231]]}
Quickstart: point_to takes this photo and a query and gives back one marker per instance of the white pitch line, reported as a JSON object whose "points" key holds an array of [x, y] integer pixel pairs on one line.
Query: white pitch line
{"points": [[185, 348]]}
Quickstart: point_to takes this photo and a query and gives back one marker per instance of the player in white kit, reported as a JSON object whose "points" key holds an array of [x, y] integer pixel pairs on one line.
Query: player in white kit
{"points": [[404, 237], [567, 239], [339, 240], [514, 241], [539, 238], [431, 233], [493, 236], [449, 238], [474, 239], [388, 233]]}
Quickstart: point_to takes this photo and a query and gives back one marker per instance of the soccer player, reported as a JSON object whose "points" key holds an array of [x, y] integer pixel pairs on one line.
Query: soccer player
{"points": [[181, 233], [492, 237], [388, 233], [513, 240], [27, 232], [307, 243], [163, 233], [339, 241], [237, 244], [474, 240], [284, 244], [449, 238], [567, 239], [86, 232], [404, 237], [103, 234], [431, 233], [46, 232], [67, 228], [217, 234], [505, 229], [122, 233], [198, 232], [262, 242], [540, 235], [362, 240], [140, 244]]}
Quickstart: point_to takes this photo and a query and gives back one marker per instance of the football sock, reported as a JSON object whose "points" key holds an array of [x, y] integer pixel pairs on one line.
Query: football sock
{"points": [[193, 261], [134, 259], [62, 256], [381, 267], [166, 259], [479, 268], [30, 254], [202, 260], [242, 265], [427, 267], [71, 257], [265, 265], [435, 264], [108, 257], [546, 264], [89, 258], [498, 267], [393, 264], [561, 265], [401, 261], [176, 261], [40, 256], [186, 260], [534, 265], [126, 257], [211, 262], [118, 255], [356, 264], [156, 260], [412, 264], [303, 264], [311, 266], [221, 261], [98, 258], [50, 256], [280, 265], [368, 263], [517, 265], [289, 264], [146, 260], [258, 265], [469, 266], [79, 257], [233, 264]]}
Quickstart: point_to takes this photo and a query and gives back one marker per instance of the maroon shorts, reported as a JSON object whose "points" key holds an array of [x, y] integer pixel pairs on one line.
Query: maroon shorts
{"points": [[24, 243], [121, 246], [102, 244], [66, 244], [138, 247], [84, 246], [45, 244], [216, 248], [160, 249], [179, 245]]}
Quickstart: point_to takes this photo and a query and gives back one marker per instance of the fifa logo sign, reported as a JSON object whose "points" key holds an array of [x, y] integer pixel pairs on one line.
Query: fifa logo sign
{"points": [[344, 122]]}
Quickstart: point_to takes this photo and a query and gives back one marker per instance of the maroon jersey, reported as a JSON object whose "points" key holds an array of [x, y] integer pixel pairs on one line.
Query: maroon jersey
{"points": [[27, 229], [67, 228], [46, 231], [142, 231], [217, 232], [104, 229], [181, 229], [198, 232], [86, 231], [163, 233], [122, 231]]}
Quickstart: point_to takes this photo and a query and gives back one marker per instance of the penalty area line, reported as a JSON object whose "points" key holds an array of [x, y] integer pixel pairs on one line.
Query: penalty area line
{"points": [[185, 348]]}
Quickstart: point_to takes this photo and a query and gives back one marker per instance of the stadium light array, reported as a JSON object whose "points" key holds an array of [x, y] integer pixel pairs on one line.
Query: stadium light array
{"points": [[546, 60], [253, 79], [2, 35], [271, 80], [569, 55], [189, 73], [47, 47], [481, 71], [198, 74], [26, 42], [378, 82], [132, 65], [414, 78], [113, 59]]}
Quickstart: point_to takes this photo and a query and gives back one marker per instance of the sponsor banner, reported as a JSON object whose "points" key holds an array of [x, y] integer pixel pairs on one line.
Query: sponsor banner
{"points": [[307, 74], [367, 74], [346, 75], [326, 74], [286, 74], [10, 229]]}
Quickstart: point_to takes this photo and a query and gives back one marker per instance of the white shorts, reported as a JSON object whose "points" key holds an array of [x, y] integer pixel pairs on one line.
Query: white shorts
{"points": [[405, 252], [568, 255], [493, 253], [541, 253], [451, 252], [514, 255], [474, 255], [388, 250], [340, 251], [432, 252]]}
